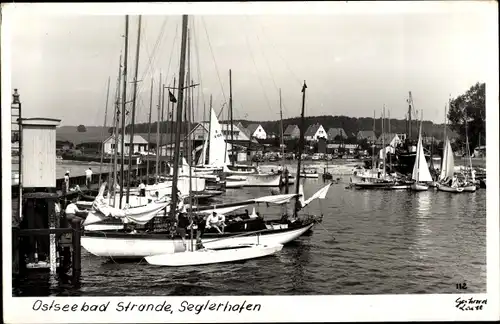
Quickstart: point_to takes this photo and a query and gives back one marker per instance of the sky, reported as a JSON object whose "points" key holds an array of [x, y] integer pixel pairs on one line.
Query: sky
{"points": [[353, 64]]}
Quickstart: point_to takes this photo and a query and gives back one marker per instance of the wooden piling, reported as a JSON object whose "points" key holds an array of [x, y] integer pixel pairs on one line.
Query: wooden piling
{"points": [[77, 247]]}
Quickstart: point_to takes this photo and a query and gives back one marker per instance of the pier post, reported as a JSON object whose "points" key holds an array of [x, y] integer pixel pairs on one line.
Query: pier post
{"points": [[77, 248], [52, 236], [285, 174]]}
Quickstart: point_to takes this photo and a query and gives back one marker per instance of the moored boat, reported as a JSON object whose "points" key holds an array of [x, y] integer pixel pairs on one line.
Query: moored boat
{"points": [[214, 255]]}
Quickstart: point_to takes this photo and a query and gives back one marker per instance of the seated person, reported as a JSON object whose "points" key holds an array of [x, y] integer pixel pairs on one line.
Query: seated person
{"points": [[216, 221], [72, 212], [182, 224]]}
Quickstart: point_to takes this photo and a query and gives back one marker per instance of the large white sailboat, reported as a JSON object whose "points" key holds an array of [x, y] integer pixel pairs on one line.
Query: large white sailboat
{"points": [[218, 160], [421, 174]]}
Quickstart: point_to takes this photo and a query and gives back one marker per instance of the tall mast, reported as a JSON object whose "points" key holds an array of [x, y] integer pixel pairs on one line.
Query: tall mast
{"points": [[116, 120], [301, 145], [149, 128], [410, 106], [188, 131], [389, 130], [231, 114], [162, 131], [209, 128], [180, 99], [134, 101], [373, 144], [123, 112], [170, 117], [158, 141], [281, 130], [104, 130], [383, 139]]}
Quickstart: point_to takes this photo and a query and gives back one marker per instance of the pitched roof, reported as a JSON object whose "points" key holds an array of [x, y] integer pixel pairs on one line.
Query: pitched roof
{"points": [[164, 138], [252, 128], [290, 129], [333, 132], [138, 139], [368, 134], [311, 130], [388, 137]]}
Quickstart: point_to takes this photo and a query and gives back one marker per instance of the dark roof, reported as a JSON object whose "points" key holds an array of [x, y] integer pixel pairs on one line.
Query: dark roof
{"points": [[368, 134], [252, 128], [311, 130], [387, 138], [290, 129], [333, 132]]}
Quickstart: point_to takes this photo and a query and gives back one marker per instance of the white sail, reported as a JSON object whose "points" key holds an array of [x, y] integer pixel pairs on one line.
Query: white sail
{"points": [[421, 171], [448, 162], [320, 194], [203, 155], [217, 155]]}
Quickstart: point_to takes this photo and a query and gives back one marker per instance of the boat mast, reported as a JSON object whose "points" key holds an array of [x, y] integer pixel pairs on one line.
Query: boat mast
{"points": [[281, 130], [301, 145], [231, 115], [180, 99], [209, 130], [373, 142], [187, 138], [410, 106], [134, 101], [383, 140], [104, 130], [170, 119], [389, 131], [116, 120], [149, 129], [124, 102], [417, 156], [158, 141]]}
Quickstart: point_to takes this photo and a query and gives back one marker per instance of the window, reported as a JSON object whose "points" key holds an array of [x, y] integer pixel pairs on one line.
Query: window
{"points": [[113, 145]]}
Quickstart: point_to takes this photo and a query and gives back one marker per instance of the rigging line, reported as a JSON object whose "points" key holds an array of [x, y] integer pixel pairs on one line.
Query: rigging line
{"points": [[171, 52], [198, 68], [152, 57], [280, 56], [213, 58], [266, 60], [256, 70]]}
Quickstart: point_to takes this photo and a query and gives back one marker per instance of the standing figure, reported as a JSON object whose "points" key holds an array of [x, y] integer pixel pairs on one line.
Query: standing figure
{"points": [[88, 177], [66, 182]]}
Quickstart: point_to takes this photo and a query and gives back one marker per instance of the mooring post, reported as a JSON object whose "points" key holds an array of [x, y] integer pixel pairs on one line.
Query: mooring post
{"points": [[285, 174], [77, 248], [52, 236], [15, 250]]}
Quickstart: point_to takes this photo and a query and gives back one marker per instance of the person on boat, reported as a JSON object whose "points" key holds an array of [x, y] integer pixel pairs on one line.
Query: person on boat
{"points": [[142, 189], [201, 225], [66, 182], [182, 224], [72, 210], [473, 175], [215, 221], [454, 182], [88, 177]]}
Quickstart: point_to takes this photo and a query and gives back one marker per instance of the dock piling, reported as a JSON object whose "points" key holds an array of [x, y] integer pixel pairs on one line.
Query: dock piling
{"points": [[77, 247]]}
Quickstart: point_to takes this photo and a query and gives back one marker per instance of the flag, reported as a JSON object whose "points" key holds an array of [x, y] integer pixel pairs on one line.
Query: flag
{"points": [[171, 97], [304, 87]]}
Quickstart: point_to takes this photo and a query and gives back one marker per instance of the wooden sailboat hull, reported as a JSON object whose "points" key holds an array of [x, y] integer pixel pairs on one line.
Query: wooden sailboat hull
{"points": [[262, 180], [309, 175], [419, 187], [398, 187], [445, 188], [373, 185], [137, 246], [211, 256], [471, 188]]}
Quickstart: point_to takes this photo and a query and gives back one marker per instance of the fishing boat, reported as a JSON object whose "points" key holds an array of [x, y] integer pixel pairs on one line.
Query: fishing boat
{"points": [[214, 255], [420, 174]]}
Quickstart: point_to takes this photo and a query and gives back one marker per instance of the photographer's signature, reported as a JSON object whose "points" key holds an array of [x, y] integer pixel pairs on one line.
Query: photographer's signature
{"points": [[470, 304]]}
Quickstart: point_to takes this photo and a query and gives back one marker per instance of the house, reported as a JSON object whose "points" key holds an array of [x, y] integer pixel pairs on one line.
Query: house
{"points": [[334, 132], [291, 132], [90, 140], [200, 132], [257, 131], [139, 144], [314, 132], [479, 151], [388, 139], [367, 135]]}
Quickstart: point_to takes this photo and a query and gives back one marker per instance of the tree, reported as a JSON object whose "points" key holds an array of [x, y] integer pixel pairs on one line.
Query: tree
{"points": [[470, 107], [81, 129]]}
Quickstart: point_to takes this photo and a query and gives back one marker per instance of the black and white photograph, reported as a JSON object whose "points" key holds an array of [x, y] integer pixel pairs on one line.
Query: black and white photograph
{"points": [[219, 151]]}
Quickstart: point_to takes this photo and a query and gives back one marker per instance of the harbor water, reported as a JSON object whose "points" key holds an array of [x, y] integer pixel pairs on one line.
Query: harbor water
{"points": [[370, 242]]}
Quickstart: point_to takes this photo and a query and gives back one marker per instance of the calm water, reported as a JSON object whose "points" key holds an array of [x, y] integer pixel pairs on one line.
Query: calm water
{"points": [[370, 242]]}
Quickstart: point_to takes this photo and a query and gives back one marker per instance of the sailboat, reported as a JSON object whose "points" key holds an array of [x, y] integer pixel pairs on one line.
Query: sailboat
{"points": [[140, 243], [468, 185], [420, 174], [237, 175]]}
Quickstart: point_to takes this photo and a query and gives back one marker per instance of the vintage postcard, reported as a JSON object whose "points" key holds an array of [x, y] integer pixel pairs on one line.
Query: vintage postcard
{"points": [[250, 162]]}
